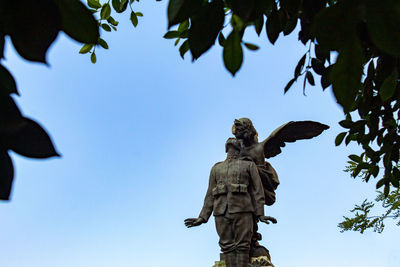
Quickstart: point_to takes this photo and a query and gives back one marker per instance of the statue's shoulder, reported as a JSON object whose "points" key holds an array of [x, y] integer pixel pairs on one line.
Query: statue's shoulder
{"points": [[218, 164]]}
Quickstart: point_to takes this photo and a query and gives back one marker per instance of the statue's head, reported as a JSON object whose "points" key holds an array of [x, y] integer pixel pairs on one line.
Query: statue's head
{"points": [[243, 129], [232, 146]]}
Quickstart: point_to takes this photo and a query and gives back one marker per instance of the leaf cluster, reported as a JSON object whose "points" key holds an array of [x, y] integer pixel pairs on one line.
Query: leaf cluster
{"points": [[106, 22], [363, 220], [32, 27]]}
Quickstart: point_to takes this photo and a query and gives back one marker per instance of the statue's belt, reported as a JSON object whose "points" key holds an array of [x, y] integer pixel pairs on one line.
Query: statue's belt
{"points": [[222, 189]]}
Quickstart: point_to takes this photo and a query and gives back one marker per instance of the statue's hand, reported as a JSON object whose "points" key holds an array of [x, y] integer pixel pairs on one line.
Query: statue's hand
{"points": [[190, 222], [267, 219]]}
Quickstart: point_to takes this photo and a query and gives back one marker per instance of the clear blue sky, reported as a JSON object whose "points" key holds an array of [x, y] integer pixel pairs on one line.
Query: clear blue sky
{"points": [[139, 132]]}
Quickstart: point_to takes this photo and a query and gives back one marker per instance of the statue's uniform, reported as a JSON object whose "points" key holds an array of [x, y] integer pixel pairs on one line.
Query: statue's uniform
{"points": [[235, 194]]}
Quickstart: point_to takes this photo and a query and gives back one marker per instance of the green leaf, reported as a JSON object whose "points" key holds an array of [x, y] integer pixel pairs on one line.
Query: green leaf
{"points": [[171, 35], [139, 14], [112, 21], [273, 26], [106, 27], [105, 11], [346, 74], [94, 4], [184, 48], [388, 87], [116, 4], [77, 21], [7, 82], [183, 26], [252, 47], [103, 43], [134, 19], [233, 53], [93, 57], [355, 158], [205, 27], [7, 175], [383, 20], [329, 32], [180, 10], [339, 138]]}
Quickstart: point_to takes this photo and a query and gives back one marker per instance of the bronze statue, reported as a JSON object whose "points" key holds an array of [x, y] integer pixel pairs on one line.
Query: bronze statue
{"points": [[235, 195], [240, 186], [292, 131]]}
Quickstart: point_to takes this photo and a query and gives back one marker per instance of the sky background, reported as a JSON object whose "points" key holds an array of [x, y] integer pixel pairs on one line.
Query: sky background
{"points": [[139, 132]]}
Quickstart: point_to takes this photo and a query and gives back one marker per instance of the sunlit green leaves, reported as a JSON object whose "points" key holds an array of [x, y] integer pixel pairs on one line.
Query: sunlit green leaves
{"points": [[233, 52], [134, 19], [94, 4], [86, 48], [105, 11]]}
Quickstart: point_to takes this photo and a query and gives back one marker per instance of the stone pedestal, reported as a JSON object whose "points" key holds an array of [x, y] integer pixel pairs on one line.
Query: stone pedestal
{"points": [[262, 261]]}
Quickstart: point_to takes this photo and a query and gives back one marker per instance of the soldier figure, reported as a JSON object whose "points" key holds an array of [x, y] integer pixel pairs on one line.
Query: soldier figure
{"points": [[236, 197]]}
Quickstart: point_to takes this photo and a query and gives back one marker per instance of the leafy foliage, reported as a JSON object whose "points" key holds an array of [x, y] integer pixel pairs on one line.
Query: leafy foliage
{"points": [[362, 219], [33, 26], [364, 77]]}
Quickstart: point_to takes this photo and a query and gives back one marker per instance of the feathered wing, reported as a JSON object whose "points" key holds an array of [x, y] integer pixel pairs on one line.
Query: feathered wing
{"points": [[291, 132]]}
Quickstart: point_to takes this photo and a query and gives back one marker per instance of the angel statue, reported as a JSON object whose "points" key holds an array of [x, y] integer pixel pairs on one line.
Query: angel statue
{"points": [[257, 152]]}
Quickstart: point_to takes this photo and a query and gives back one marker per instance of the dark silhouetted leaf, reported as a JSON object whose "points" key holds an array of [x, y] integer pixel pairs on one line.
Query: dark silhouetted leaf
{"points": [[205, 27], [7, 82], [355, 158], [252, 47], [383, 20], [221, 39], [181, 10], [6, 175], [244, 9], [77, 21], [233, 53], [288, 85], [31, 141], [10, 117], [299, 66], [33, 26], [106, 27], [318, 66], [346, 74], [290, 25], [184, 48], [310, 78], [335, 25], [273, 26], [388, 87], [339, 138], [259, 24]]}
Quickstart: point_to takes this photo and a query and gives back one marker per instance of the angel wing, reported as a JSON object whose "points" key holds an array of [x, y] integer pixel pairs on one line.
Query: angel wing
{"points": [[291, 132]]}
